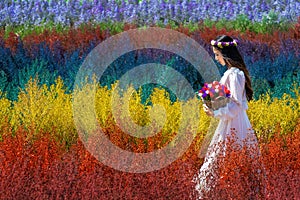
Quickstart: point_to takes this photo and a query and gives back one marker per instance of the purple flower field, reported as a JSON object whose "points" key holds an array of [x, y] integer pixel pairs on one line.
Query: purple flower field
{"points": [[76, 12]]}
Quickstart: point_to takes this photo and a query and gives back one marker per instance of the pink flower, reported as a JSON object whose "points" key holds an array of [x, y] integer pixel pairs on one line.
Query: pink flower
{"points": [[213, 90]]}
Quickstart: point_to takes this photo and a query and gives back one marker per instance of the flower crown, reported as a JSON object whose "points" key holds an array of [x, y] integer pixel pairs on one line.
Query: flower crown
{"points": [[224, 44]]}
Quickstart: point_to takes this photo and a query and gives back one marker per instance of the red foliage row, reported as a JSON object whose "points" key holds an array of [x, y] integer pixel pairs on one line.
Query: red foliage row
{"points": [[270, 39], [41, 169], [81, 37]]}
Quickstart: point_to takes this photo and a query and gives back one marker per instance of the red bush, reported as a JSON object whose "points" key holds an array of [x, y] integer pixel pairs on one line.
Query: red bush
{"points": [[39, 169], [81, 38], [24, 164]]}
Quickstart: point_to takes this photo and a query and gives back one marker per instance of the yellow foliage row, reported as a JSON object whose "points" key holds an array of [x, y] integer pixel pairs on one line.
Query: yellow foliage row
{"points": [[277, 115], [40, 108], [53, 110]]}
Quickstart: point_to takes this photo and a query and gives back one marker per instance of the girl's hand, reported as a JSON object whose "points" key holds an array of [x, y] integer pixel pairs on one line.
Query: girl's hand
{"points": [[208, 111]]}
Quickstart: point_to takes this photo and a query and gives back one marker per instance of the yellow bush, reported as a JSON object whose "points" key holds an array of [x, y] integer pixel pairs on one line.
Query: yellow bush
{"points": [[103, 105], [52, 109], [279, 115], [42, 108], [5, 111]]}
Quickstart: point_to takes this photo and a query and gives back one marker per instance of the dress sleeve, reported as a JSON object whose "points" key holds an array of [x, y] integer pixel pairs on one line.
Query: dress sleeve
{"points": [[236, 87]]}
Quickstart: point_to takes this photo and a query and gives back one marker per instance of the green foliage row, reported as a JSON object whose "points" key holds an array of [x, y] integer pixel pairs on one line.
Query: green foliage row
{"points": [[281, 87], [242, 23]]}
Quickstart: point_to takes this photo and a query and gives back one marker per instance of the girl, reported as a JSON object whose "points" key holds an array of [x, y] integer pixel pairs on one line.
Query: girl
{"points": [[233, 132]]}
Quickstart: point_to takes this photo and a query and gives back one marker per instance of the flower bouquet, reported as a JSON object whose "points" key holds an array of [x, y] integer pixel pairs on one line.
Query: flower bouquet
{"points": [[215, 95]]}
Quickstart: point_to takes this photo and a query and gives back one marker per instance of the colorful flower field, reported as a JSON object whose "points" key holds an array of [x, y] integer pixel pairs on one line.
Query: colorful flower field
{"points": [[44, 43]]}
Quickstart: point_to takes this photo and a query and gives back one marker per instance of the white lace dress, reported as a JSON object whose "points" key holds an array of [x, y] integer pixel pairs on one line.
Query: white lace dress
{"points": [[232, 119]]}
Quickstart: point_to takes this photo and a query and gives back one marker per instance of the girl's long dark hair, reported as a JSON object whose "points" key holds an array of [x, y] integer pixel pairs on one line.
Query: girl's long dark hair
{"points": [[233, 58]]}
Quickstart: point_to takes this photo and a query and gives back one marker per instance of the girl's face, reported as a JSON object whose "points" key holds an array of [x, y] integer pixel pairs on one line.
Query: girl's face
{"points": [[218, 56]]}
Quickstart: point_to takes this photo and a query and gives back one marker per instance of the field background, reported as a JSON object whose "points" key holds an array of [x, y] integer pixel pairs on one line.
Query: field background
{"points": [[43, 44]]}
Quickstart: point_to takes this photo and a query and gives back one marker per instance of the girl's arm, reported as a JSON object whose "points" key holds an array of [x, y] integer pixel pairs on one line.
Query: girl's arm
{"points": [[236, 87]]}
